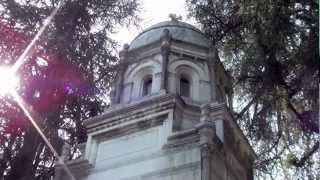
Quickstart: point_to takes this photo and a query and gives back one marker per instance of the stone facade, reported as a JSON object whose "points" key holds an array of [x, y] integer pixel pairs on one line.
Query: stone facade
{"points": [[170, 118]]}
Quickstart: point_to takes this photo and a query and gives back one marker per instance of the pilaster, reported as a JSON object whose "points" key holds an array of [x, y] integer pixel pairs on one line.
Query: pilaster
{"points": [[122, 68], [212, 59], [165, 50], [206, 129]]}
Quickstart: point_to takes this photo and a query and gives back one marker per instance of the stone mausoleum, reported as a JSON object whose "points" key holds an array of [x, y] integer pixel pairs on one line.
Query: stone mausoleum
{"points": [[170, 116]]}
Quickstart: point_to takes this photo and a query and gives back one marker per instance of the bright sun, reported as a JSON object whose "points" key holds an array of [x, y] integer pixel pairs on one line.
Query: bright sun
{"points": [[8, 81]]}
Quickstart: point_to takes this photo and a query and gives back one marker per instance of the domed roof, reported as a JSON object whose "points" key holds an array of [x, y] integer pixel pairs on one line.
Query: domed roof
{"points": [[178, 31]]}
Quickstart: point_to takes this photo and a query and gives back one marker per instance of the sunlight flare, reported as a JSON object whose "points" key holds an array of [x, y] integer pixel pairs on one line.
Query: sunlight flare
{"points": [[26, 52], [28, 112], [8, 81]]}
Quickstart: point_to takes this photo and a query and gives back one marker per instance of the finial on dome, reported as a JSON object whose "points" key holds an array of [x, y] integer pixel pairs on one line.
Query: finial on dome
{"points": [[175, 17]]}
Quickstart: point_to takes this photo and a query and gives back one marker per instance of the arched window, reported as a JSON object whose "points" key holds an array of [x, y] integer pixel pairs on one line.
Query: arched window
{"points": [[184, 87], [147, 87]]}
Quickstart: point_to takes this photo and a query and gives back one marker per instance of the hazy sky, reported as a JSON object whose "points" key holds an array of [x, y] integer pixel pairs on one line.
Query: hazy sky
{"points": [[153, 11]]}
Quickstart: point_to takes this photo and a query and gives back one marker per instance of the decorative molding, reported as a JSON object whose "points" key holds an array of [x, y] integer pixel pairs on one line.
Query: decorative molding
{"points": [[188, 137], [147, 106], [155, 48], [132, 128]]}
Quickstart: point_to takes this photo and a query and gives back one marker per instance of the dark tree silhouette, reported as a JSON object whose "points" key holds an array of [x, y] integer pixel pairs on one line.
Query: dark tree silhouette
{"points": [[271, 49], [62, 79]]}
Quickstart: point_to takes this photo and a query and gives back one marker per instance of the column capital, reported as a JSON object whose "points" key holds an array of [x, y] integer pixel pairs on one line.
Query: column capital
{"points": [[165, 36], [123, 54], [165, 41], [213, 55]]}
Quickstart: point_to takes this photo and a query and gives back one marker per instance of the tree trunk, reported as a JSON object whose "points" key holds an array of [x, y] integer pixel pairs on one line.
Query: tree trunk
{"points": [[22, 164]]}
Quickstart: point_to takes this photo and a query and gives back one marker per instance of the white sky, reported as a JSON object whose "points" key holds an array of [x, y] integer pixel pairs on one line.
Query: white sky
{"points": [[152, 12]]}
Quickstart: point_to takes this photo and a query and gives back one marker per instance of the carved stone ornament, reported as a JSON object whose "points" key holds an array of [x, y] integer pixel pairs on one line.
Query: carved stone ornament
{"points": [[165, 38], [175, 17], [124, 52]]}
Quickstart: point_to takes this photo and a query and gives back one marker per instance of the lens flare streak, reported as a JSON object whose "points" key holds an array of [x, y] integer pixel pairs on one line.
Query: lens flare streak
{"points": [[23, 106], [26, 52], [8, 81], [28, 112]]}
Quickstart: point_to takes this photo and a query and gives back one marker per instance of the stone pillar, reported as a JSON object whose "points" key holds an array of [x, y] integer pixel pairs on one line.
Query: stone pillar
{"points": [[206, 129], [120, 75], [206, 158], [165, 50], [212, 59]]}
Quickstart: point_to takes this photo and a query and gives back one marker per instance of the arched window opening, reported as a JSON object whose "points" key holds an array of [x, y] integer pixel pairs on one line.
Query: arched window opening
{"points": [[147, 87], [184, 87]]}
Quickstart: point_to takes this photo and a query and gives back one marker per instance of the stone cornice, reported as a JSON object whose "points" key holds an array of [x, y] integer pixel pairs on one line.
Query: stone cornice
{"points": [[122, 113], [158, 42], [176, 48], [181, 138], [130, 129], [182, 134]]}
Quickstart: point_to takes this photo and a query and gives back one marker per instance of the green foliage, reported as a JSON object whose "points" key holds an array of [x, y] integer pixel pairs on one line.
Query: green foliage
{"points": [[65, 78], [271, 49]]}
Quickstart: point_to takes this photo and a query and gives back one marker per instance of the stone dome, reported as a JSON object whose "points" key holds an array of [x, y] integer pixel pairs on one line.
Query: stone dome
{"points": [[178, 30]]}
